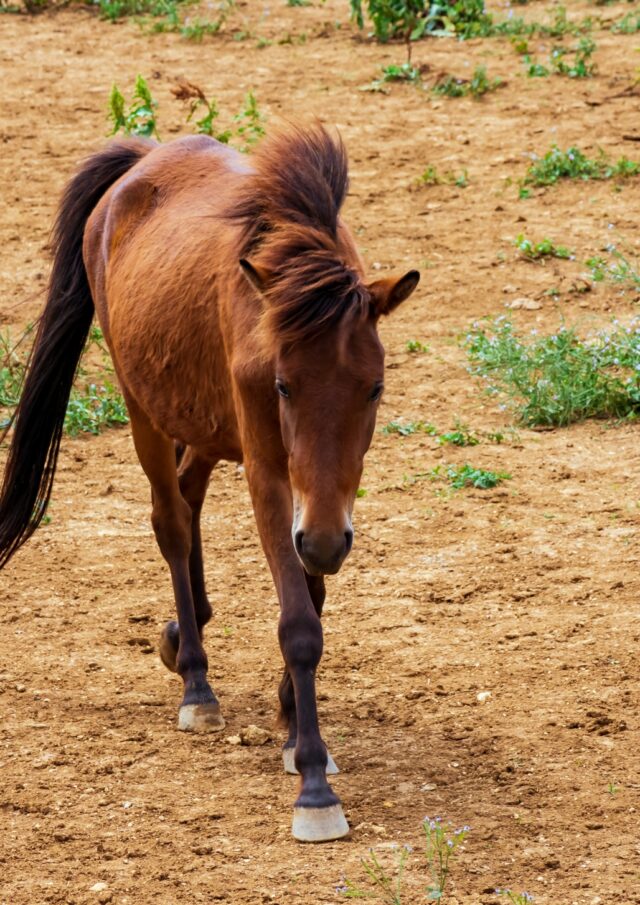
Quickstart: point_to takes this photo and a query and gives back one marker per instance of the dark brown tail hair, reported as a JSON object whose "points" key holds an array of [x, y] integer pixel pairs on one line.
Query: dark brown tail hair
{"points": [[61, 335]]}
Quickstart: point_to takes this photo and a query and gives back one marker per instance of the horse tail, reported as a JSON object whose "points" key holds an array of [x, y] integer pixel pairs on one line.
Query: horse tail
{"points": [[62, 331]]}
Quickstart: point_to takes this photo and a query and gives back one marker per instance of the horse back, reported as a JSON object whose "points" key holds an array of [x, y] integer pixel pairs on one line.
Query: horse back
{"points": [[160, 258]]}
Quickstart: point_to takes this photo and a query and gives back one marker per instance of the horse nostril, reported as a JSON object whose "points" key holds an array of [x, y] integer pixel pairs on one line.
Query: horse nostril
{"points": [[348, 536], [298, 542]]}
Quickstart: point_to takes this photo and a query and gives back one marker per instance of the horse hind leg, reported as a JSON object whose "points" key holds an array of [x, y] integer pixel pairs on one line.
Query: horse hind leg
{"points": [[287, 717], [194, 472], [172, 518]]}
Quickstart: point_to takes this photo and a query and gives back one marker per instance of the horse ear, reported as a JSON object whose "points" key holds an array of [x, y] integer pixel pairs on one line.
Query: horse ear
{"points": [[259, 277], [387, 294]]}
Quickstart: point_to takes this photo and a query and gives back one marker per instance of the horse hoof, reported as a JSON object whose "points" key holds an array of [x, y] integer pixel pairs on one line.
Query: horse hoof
{"points": [[200, 718], [319, 824], [290, 767], [169, 641]]}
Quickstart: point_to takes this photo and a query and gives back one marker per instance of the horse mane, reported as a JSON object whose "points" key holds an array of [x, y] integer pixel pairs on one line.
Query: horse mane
{"points": [[288, 210]]}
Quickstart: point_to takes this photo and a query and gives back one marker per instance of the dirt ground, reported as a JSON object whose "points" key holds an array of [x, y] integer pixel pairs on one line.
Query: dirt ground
{"points": [[528, 591]]}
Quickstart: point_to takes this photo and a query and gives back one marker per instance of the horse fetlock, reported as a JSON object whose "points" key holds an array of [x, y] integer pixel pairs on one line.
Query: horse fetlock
{"points": [[169, 644], [288, 759]]}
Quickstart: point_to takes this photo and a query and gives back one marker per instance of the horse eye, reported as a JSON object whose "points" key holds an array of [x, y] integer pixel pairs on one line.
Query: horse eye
{"points": [[282, 389], [376, 393]]}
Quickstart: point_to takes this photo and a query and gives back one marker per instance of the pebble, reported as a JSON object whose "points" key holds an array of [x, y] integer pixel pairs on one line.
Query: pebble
{"points": [[484, 696]]}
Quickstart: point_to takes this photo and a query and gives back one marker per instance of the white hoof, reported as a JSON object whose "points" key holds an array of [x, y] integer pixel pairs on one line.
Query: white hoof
{"points": [[319, 824], [290, 767], [200, 718]]}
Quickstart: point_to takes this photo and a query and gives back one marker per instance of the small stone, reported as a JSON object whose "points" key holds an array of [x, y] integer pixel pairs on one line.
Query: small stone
{"points": [[21, 688], [428, 787], [524, 303], [233, 740], [484, 696], [105, 896], [99, 887], [254, 735]]}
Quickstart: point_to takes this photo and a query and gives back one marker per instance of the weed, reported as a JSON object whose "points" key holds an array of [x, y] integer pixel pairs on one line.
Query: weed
{"points": [[618, 269], [405, 429], [170, 20], [441, 844], [533, 251], [187, 91], [612, 789], [360, 492], [92, 407], [573, 164], [393, 73], [628, 25], [558, 379], [459, 476], [411, 20], [477, 86], [431, 177], [459, 436], [95, 407], [516, 898], [581, 67], [140, 118], [250, 122], [415, 347]]}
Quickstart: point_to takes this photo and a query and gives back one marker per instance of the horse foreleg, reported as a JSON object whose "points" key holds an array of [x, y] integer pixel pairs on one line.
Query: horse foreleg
{"points": [[194, 472], [317, 813], [171, 518], [287, 716]]}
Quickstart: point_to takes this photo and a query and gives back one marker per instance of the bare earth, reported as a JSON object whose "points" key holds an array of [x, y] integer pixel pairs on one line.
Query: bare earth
{"points": [[528, 591]]}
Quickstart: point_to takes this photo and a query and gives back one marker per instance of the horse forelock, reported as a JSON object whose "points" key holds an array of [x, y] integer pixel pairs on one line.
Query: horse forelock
{"points": [[288, 209]]}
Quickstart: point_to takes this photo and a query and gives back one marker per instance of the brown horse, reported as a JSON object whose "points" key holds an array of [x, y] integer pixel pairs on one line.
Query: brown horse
{"points": [[234, 304]]}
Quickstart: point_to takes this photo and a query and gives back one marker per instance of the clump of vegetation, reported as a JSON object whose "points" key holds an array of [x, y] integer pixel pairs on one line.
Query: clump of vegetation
{"points": [[171, 19], [410, 20], [477, 86], [415, 347], [558, 379], [406, 428], [441, 849], [617, 269], [516, 898], [119, 9], [94, 403], [140, 118], [580, 67], [430, 176], [460, 435], [533, 251], [574, 164], [459, 476], [628, 25]]}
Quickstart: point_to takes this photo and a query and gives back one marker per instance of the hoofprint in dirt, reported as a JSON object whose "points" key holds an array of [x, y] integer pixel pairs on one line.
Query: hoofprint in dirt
{"points": [[528, 591]]}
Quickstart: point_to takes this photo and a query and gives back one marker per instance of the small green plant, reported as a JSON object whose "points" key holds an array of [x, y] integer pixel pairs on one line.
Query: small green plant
{"points": [[477, 86], [581, 66], [249, 121], [459, 436], [415, 347], [168, 17], [628, 25], [516, 898], [430, 176], [612, 789], [533, 251], [406, 428], [442, 843], [198, 102], [441, 848], [93, 404], [140, 118], [617, 269], [459, 476], [557, 379], [574, 164]]}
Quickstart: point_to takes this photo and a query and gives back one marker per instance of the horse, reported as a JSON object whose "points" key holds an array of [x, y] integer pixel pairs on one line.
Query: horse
{"points": [[235, 307]]}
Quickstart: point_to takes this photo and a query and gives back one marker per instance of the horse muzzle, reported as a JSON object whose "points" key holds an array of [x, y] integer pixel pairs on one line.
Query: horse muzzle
{"points": [[322, 553]]}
